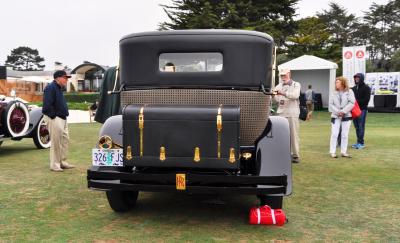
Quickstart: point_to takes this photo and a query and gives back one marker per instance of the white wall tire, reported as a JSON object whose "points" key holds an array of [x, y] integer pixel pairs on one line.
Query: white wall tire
{"points": [[41, 135], [17, 119]]}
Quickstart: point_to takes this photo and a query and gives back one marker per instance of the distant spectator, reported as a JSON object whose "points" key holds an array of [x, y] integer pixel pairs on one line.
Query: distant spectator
{"points": [[169, 67], [309, 102], [94, 106], [362, 93], [341, 104]]}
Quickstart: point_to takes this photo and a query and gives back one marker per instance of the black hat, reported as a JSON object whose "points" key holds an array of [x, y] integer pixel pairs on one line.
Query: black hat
{"points": [[60, 73]]}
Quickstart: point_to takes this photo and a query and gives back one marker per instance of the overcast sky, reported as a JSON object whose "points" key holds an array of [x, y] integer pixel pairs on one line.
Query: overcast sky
{"points": [[89, 30]]}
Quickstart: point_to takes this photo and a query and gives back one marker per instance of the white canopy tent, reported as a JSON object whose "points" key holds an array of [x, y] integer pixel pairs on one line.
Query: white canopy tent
{"points": [[37, 79], [41, 81], [313, 70]]}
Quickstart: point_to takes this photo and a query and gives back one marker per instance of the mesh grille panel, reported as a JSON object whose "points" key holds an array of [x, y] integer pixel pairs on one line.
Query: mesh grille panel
{"points": [[254, 106]]}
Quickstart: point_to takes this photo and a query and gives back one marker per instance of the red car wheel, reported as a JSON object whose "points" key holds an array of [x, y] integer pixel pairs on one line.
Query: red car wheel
{"points": [[17, 119], [41, 136]]}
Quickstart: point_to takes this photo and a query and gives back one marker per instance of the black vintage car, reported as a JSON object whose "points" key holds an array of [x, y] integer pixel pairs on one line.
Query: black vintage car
{"points": [[195, 118], [18, 121]]}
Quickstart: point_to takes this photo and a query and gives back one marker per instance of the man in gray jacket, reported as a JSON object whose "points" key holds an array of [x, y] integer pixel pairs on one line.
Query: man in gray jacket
{"points": [[287, 95]]}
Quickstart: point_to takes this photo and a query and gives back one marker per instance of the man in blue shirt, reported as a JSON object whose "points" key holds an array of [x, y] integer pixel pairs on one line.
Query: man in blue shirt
{"points": [[55, 110]]}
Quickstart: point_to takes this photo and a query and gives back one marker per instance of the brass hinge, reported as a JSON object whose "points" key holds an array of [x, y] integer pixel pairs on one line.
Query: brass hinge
{"points": [[129, 153], [196, 154], [219, 131], [141, 126], [232, 155], [162, 153]]}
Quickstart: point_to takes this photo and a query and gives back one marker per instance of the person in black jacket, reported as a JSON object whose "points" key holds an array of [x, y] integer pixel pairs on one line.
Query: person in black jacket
{"points": [[55, 111], [363, 94]]}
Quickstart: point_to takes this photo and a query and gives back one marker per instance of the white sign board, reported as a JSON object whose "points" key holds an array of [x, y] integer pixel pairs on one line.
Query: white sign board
{"points": [[383, 84], [353, 61]]}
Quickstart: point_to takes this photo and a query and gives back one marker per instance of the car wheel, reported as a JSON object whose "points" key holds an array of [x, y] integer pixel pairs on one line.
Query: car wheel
{"points": [[275, 202], [41, 135], [122, 201], [16, 119]]}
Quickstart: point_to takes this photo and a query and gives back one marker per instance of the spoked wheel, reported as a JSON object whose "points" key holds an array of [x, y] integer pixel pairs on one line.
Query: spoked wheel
{"points": [[122, 201], [41, 135], [16, 119], [275, 202]]}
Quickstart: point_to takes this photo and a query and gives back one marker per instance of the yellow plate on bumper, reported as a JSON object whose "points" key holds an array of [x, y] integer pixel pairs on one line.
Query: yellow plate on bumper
{"points": [[180, 182]]}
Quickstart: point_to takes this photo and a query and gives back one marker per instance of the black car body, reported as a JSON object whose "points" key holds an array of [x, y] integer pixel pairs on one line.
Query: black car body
{"points": [[195, 118]]}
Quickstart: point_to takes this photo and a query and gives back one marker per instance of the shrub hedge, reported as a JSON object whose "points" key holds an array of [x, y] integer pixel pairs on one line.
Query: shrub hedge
{"points": [[81, 98], [71, 105]]}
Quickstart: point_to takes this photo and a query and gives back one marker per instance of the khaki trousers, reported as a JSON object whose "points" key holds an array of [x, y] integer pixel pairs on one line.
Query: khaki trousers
{"points": [[310, 108], [294, 136], [59, 138]]}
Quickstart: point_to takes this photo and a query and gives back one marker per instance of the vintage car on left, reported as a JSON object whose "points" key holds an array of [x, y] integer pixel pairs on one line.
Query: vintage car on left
{"points": [[18, 121]]}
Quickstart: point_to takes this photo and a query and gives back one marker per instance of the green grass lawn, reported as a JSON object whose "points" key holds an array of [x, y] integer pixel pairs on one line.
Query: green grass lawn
{"points": [[333, 199]]}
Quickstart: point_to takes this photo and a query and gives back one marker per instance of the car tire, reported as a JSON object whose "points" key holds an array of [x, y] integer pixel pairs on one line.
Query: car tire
{"points": [[275, 202], [41, 135], [122, 201]]}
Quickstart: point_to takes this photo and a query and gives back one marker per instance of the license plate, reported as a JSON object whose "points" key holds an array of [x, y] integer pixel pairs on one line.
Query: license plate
{"points": [[180, 182], [107, 157]]}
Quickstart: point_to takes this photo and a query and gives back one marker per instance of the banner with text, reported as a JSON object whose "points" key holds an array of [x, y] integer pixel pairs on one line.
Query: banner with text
{"points": [[353, 61]]}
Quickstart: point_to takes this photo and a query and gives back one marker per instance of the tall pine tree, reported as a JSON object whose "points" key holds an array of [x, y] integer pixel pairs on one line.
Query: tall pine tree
{"points": [[311, 38], [274, 17], [381, 29], [25, 58]]}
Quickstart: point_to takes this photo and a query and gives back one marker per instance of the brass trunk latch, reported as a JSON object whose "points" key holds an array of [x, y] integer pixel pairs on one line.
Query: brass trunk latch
{"points": [[219, 131], [196, 154], [162, 153], [141, 126], [129, 153], [232, 155], [246, 155]]}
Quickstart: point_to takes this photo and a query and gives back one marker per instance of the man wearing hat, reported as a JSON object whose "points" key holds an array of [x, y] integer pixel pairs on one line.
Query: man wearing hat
{"points": [[287, 94], [362, 93], [55, 110]]}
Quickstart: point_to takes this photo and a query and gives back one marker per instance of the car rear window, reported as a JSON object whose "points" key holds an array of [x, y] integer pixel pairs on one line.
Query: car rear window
{"points": [[191, 62]]}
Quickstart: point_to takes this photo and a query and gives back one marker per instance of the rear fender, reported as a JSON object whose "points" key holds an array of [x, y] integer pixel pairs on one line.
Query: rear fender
{"points": [[273, 151], [113, 127], [35, 115]]}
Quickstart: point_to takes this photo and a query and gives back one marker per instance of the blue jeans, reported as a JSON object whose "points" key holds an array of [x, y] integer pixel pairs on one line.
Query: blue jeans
{"points": [[359, 124]]}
